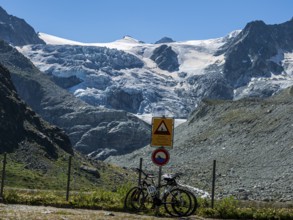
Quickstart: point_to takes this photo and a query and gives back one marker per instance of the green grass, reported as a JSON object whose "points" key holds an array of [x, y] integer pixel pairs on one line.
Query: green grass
{"points": [[98, 199], [53, 174], [229, 208], [102, 199], [107, 190]]}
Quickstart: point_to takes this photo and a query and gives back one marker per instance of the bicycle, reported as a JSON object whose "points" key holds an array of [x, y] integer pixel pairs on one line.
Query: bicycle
{"points": [[177, 201]]}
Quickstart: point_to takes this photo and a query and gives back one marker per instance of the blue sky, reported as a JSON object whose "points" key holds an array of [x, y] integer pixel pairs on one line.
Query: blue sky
{"points": [[92, 21]]}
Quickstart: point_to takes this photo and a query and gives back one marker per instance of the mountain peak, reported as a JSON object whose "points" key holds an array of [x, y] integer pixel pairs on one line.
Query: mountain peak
{"points": [[16, 31], [129, 39], [255, 26], [165, 40]]}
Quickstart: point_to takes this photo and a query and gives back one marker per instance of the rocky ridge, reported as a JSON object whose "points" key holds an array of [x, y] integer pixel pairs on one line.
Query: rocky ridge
{"points": [[22, 130], [37, 150], [16, 31]]}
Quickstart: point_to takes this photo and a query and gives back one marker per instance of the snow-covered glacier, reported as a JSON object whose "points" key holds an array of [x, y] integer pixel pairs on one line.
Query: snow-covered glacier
{"points": [[121, 74], [141, 78]]}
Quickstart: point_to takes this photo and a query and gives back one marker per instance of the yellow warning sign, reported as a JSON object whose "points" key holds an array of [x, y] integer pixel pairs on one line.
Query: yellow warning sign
{"points": [[162, 132]]}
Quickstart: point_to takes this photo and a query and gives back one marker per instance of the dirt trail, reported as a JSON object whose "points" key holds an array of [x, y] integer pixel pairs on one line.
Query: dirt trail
{"points": [[24, 212]]}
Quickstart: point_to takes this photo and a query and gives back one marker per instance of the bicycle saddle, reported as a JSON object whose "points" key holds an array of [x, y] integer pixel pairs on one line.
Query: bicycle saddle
{"points": [[169, 177]]}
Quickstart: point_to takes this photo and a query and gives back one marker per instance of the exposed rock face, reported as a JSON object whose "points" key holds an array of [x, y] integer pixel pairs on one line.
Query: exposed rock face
{"points": [[20, 127], [251, 53], [165, 40], [16, 31], [65, 82], [80, 120], [165, 58], [130, 101]]}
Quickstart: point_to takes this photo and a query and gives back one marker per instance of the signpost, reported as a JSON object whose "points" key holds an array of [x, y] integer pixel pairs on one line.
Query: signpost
{"points": [[162, 136], [162, 132]]}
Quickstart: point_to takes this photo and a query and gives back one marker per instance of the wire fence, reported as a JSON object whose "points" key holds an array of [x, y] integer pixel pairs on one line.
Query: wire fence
{"points": [[245, 182], [64, 177]]}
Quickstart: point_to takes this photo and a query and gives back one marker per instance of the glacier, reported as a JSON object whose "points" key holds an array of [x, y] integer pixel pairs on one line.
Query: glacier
{"points": [[122, 75]]}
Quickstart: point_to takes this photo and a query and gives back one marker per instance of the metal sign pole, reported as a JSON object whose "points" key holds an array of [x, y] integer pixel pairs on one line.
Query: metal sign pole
{"points": [[159, 185]]}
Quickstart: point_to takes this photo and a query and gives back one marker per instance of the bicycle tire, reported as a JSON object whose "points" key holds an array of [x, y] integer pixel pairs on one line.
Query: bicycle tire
{"points": [[147, 201], [137, 199], [128, 199], [194, 204], [178, 202]]}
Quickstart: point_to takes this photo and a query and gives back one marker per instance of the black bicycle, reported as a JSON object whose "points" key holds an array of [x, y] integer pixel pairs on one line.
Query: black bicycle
{"points": [[177, 201]]}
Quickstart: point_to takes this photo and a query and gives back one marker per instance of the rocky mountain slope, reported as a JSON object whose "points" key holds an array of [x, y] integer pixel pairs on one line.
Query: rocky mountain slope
{"points": [[250, 139], [38, 152], [16, 31], [259, 53], [91, 129], [140, 77], [23, 130]]}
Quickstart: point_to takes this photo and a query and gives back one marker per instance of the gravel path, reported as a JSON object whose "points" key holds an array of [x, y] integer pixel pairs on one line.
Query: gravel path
{"points": [[25, 212]]}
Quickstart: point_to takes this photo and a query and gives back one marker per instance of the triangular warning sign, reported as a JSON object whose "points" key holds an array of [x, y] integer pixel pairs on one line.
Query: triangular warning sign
{"points": [[162, 129]]}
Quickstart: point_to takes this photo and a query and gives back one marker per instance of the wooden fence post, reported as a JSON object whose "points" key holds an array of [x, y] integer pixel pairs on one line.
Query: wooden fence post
{"points": [[68, 178], [3, 177], [213, 183]]}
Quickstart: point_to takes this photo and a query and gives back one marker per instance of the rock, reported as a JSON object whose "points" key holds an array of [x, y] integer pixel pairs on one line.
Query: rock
{"points": [[91, 170], [165, 58]]}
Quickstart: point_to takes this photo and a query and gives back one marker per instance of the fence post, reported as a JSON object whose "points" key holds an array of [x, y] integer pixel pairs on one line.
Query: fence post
{"points": [[3, 177], [139, 173], [213, 183], [68, 178]]}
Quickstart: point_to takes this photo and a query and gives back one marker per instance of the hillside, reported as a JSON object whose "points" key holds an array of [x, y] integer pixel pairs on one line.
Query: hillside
{"points": [[38, 152], [251, 140], [20, 127]]}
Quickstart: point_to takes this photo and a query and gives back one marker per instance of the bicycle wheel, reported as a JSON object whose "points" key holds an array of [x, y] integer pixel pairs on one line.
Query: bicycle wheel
{"points": [[178, 202], [134, 199], [128, 198], [194, 203], [137, 198], [148, 201]]}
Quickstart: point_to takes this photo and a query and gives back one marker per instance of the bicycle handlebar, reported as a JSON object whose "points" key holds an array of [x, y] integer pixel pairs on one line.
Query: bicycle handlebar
{"points": [[165, 176], [147, 175]]}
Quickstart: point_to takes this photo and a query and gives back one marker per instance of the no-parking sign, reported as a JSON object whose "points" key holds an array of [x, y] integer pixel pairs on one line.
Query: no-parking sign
{"points": [[160, 156]]}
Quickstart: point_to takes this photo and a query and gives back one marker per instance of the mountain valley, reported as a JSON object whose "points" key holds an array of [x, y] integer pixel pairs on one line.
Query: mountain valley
{"points": [[234, 92]]}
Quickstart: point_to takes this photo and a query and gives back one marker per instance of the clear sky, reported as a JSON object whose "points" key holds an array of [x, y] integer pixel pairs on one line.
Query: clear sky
{"points": [[93, 21]]}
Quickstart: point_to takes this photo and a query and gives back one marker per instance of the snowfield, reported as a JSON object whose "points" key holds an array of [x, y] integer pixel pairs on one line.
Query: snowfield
{"points": [[124, 75]]}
